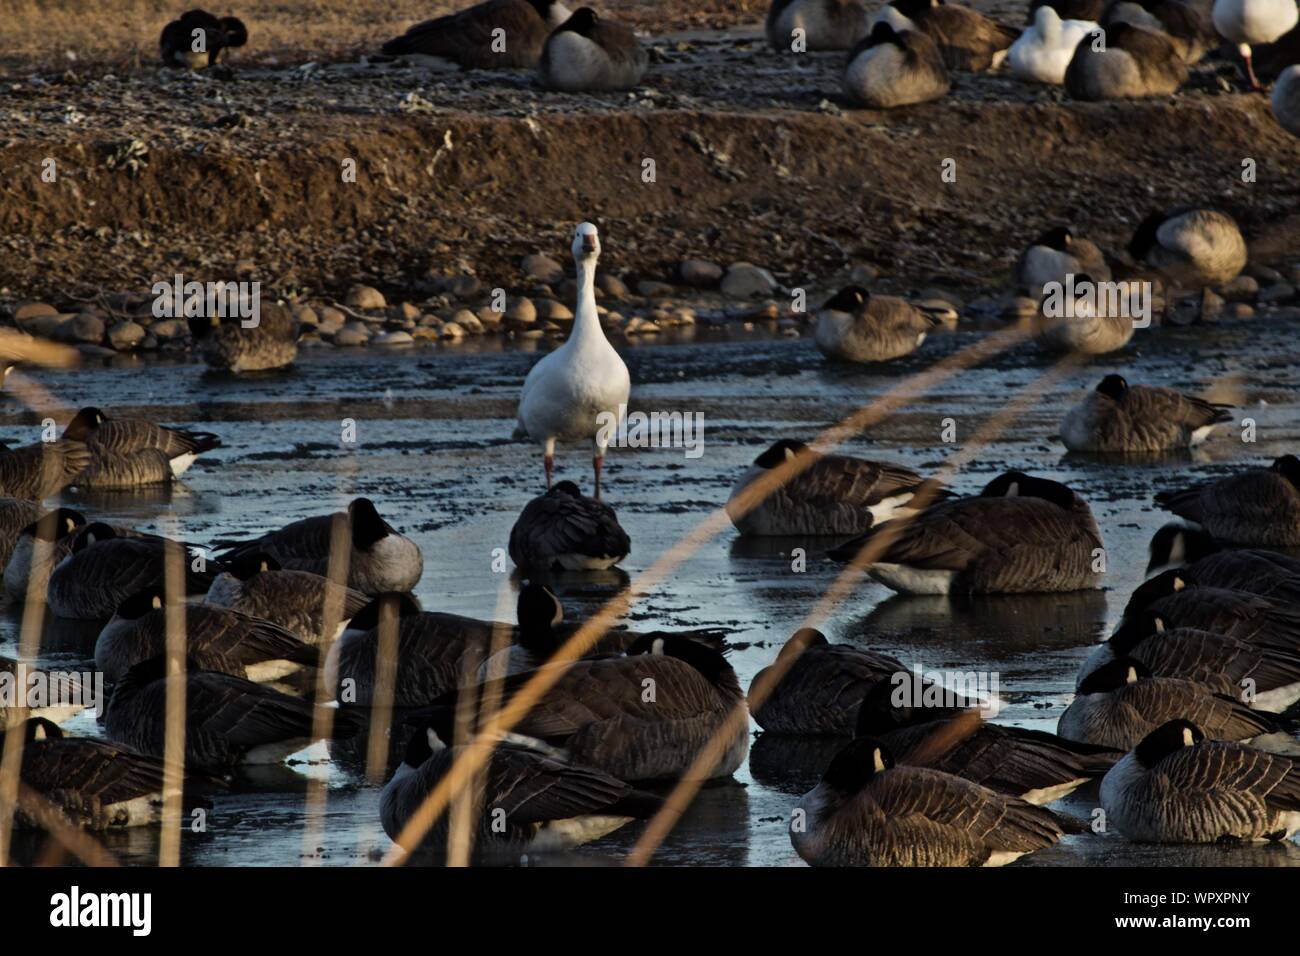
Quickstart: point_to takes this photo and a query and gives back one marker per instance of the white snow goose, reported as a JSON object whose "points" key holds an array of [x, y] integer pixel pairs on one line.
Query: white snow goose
{"points": [[1247, 22]]}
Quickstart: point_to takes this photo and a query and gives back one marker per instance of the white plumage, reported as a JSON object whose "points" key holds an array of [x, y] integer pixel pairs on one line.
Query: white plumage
{"points": [[1043, 51]]}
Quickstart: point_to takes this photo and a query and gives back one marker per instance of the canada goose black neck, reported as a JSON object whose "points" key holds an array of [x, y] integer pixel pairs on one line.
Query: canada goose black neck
{"points": [[56, 525], [392, 603], [1118, 673], [1162, 585], [1058, 238], [368, 529], [83, 423], [780, 451], [882, 32], [92, 534], [1134, 629], [1288, 466], [141, 603], [200, 327], [801, 640], [854, 766], [1113, 386], [1167, 739], [1017, 484], [539, 612], [235, 30], [849, 299], [1180, 544], [543, 7], [146, 672], [564, 489], [248, 566], [914, 8], [1145, 235], [39, 728], [582, 22], [709, 662]]}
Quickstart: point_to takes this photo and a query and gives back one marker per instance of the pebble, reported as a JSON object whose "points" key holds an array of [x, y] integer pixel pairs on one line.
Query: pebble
{"points": [[354, 333], [862, 274], [1211, 305], [1240, 310], [553, 311], [31, 310], [540, 268], [464, 287], [1020, 307], [43, 325], [1280, 292], [521, 312], [393, 338], [169, 329], [700, 273], [364, 298], [745, 280], [489, 318], [612, 286], [452, 330], [126, 335], [1241, 289], [653, 289], [84, 327], [306, 316], [408, 312], [1264, 273]]}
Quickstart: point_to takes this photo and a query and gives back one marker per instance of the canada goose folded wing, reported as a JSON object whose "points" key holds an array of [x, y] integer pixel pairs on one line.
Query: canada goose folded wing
{"points": [[270, 344], [568, 530], [1219, 661], [835, 479], [94, 579], [533, 787], [38, 471], [1239, 614], [1259, 506], [436, 653], [822, 692], [86, 770], [1147, 403], [967, 39], [304, 540], [1221, 768], [149, 466], [469, 37], [124, 436], [295, 600], [1267, 573], [16, 514], [1123, 716]]}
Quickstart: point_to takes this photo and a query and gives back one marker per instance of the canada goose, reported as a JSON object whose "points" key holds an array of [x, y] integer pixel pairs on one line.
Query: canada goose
{"points": [[1191, 248], [1120, 703], [1266, 573], [1258, 507], [856, 326], [229, 721], [586, 52], [568, 393], [217, 638], [825, 24], [1043, 52], [564, 529], [64, 696], [270, 344], [196, 39], [1056, 255], [1118, 417], [1069, 9], [16, 514], [1286, 100], [1186, 25], [1271, 60], [1173, 599], [381, 558], [256, 585], [92, 784], [534, 641], [1093, 322], [867, 811], [547, 802], [1247, 22], [1179, 787], [891, 68], [600, 713], [1223, 664], [966, 39], [1035, 766], [1132, 62], [125, 451], [40, 546], [39, 471], [835, 494], [497, 34], [823, 690], [1021, 534], [103, 569]]}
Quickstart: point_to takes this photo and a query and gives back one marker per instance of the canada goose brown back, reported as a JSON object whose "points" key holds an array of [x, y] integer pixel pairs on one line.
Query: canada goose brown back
{"points": [[270, 344], [1188, 27], [1055, 255], [815, 24], [889, 68], [565, 530], [588, 52], [856, 326], [39, 471], [1190, 247], [472, 37], [967, 40], [1258, 507], [1133, 63], [1118, 417], [298, 600]]}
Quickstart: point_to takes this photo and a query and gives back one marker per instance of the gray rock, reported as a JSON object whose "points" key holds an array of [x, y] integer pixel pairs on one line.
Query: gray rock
{"points": [[540, 268], [553, 311], [652, 289], [1263, 273], [1211, 305], [84, 327], [170, 330], [612, 286], [393, 338], [1281, 292], [306, 316], [364, 298], [700, 273], [331, 320], [354, 333], [126, 335], [745, 280], [464, 287], [1241, 289], [521, 312], [31, 310]]}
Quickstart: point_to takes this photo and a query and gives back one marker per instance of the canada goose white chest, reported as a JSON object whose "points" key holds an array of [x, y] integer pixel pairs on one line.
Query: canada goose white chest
{"points": [[587, 52], [892, 68]]}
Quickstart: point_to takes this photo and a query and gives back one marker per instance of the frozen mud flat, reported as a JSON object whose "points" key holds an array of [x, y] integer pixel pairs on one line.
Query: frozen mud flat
{"points": [[433, 451]]}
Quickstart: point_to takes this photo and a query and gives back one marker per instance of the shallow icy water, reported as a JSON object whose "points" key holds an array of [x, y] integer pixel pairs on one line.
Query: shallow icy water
{"points": [[433, 451]]}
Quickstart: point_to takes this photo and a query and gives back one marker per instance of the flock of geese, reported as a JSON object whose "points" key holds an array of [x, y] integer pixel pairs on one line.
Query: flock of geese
{"points": [[900, 53], [1181, 713]]}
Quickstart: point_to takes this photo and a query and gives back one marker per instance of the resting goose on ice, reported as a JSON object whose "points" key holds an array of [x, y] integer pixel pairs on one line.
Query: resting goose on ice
{"points": [[1186, 24], [256, 585], [381, 558], [229, 721], [967, 40], [196, 39], [126, 452], [216, 637], [545, 801], [1118, 417], [1056, 255], [1093, 324], [91, 784], [1286, 100], [1191, 248], [1177, 786], [226, 344], [868, 811], [39, 471], [891, 68], [497, 34], [1177, 599], [587, 52], [1259, 507], [1043, 52], [573, 391], [1120, 703], [63, 702], [856, 326], [825, 24], [1020, 534], [565, 530], [1249, 22], [822, 691], [1266, 573], [833, 495], [1133, 63]]}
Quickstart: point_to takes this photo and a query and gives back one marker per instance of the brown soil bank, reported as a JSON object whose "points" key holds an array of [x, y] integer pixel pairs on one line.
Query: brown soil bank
{"points": [[469, 174]]}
